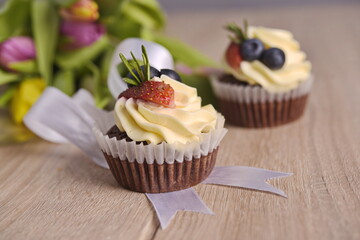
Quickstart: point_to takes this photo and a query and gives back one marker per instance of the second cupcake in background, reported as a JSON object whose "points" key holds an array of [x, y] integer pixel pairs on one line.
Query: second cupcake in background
{"points": [[267, 78]]}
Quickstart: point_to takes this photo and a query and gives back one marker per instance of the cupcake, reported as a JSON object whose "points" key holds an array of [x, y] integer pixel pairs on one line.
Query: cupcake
{"points": [[266, 80], [162, 139]]}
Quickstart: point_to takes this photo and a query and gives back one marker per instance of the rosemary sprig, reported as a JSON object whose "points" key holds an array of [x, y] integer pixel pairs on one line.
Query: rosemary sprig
{"points": [[139, 73], [129, 67], [246, 28], [130, 81], [137, 67], [146, 61], [241, 34]]}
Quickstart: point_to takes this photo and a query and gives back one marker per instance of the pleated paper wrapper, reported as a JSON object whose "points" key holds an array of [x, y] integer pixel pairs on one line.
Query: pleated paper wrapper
{"points": [[254, 107], [163, 167]]}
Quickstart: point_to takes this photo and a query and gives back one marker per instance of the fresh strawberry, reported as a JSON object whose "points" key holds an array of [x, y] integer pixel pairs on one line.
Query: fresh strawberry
{"points": [[152, 91], [232, 55]]}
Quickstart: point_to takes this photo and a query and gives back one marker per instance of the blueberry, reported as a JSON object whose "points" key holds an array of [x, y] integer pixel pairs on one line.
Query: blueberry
{"points": [[153, 73], [171, 73], [251, 49], [273, 58]]}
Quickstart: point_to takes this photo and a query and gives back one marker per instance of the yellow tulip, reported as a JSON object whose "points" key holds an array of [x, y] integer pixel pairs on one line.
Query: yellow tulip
{"points": [[25, 96]]}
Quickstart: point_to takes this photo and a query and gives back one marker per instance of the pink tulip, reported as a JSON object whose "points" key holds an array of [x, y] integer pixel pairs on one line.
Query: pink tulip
{"points": [[82, 10], [16, 49], [80, 34]]}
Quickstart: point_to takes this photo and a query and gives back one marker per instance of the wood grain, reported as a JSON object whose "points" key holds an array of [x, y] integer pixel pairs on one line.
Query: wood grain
{"points": [[50, 191]]}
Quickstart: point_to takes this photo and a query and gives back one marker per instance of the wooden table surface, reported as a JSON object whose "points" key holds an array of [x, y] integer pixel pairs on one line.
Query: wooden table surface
{"points": [[50, 191]]}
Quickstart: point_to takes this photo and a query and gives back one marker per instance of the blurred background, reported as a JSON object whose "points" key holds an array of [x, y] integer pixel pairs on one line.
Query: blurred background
{"points": [[174, 5], [68, 44]]}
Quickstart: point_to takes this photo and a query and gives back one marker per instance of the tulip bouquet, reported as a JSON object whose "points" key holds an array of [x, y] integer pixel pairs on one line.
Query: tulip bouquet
{"points": [[69, 43]]}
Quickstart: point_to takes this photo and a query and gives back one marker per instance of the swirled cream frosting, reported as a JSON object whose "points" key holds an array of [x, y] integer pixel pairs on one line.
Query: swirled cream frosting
{"points": [[295, 70], [150, 122]]}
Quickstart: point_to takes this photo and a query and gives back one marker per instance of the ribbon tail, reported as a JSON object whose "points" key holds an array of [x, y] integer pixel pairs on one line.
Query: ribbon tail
{"points": [[58, 118], [167, 204], [246, 177]]}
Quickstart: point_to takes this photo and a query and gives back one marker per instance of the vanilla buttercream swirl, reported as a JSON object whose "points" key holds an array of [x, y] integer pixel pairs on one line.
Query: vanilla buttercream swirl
{"points": [[153, 123], [295, 70]]}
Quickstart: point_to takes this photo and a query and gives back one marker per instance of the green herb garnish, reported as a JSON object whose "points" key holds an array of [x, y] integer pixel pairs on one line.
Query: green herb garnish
{"points": [[139, 73], [241, 34]]}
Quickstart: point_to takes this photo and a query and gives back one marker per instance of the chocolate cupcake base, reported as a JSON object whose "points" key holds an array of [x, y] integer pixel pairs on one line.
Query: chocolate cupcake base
{"points": [[263, 114], [158, 178], [157, 168], [251, 106]]}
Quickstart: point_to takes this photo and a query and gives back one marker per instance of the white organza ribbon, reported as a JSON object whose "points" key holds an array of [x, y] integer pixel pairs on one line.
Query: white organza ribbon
{"points": [[59, 118], [167, 204]]}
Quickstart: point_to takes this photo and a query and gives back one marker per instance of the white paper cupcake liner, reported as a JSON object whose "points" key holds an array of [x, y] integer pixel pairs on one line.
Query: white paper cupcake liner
{"points": [[254, 107], [255, 94], [159, 153]]}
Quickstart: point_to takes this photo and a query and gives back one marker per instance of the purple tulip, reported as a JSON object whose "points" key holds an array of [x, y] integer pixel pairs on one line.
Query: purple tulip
{"points": [[80, 34], [16, 49]]}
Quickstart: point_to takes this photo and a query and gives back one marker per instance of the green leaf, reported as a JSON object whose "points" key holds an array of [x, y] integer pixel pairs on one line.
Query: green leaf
{"points": [[123, 27], [6, 96], [153, 8], [6, 77], [97, 82], [96, 85], [64, 3], [183, 53], [147, 34], [78, 58], [105, 96], [65, 81], [151, 5], [24, 66], [108, 7], [103, 102], [45, 24], [142, 15], [14, 16], [131, 18], [105, 62]]}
